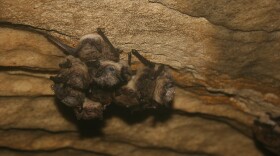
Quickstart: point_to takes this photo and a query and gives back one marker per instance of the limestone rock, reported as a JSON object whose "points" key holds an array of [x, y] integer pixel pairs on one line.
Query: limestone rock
{"points": [[225, 60]]}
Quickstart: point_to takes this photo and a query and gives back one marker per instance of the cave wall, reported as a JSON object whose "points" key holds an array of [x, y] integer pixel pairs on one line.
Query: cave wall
{"points": [[224, 57]]}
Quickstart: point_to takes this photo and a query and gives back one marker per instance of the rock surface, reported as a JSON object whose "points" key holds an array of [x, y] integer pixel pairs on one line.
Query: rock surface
{"points": [[225, 59]]}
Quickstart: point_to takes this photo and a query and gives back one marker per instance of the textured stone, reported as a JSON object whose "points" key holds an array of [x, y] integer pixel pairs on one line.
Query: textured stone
{"points": [[225, 60], [184, 134], [14, 84], [35, 112], [242, 15], [27, 49], [62, 152]]}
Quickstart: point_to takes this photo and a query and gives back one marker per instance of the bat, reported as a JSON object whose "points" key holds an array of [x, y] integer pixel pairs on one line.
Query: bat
{"points": [[87, 78], [101, 58], [150, 87], [92, 77], [109, 74], [90, 110], [73, 73], [69, 96], [71, 81], [94, 46], [268, 134]]}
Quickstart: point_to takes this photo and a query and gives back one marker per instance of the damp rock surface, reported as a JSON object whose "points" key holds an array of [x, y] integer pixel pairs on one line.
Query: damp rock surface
{"points": [[225, 59]]}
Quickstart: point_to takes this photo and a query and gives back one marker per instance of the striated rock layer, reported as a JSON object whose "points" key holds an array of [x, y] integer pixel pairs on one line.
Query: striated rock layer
{"points": [[225, 58]]}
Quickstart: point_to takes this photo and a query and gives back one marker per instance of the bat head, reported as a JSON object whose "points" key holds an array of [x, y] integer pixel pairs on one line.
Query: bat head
{"points": [[73, 73], [89, 110], [110, 74], [90, 47], [164, 89], [69, 96], [96, 46], [126, 97]]}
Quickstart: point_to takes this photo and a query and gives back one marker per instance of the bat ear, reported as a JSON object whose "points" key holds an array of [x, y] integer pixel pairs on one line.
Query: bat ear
{"points": [[126, 74], [159, 71], [93, 63], [57, 79], [104, 37], [129, 59], [66, 64], [142, 59]]}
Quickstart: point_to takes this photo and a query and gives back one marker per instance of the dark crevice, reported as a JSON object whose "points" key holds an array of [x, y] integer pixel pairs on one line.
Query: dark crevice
{"points": [[29, 75], [28, 96], [38, 130], [52, 151], [30, 28], [207, 91], [28, 69], [43, 54], [218, 92], [241, 41], [202, 90]]}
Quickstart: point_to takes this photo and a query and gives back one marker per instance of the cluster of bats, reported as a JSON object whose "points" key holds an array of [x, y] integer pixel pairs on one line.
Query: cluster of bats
{"points": [[93, 77]]}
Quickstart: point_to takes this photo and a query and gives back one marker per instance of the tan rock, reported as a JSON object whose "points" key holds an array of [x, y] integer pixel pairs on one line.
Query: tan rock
{"points": [[225, 61], [243, 15], [13, 84], [180, 133], [28, 50]]}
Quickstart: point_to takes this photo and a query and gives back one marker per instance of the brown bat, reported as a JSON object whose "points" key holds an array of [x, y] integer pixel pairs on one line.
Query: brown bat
{"points": [[101, 57], [71, 82], [268, 134], [69, 96], [94, 46], [93, 77], [90, 110], [73, 73], [109, 74], [89, 76], [102, 95], [150, 87]]}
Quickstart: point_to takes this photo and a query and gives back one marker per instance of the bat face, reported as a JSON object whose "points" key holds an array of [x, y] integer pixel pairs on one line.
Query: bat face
{"points": [[143, 92], [74, 73], [69, 96], [127, 95], [96, 47], [110, 74], [90, 47], [104, 96], [89, 110], [151, 87], [164, 89], [70, 81], [156, 84]]}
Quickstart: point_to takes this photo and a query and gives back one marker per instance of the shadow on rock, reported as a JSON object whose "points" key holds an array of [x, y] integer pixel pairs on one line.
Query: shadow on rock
{"points": [[87, 128], [263, 149], [93, 128]]}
